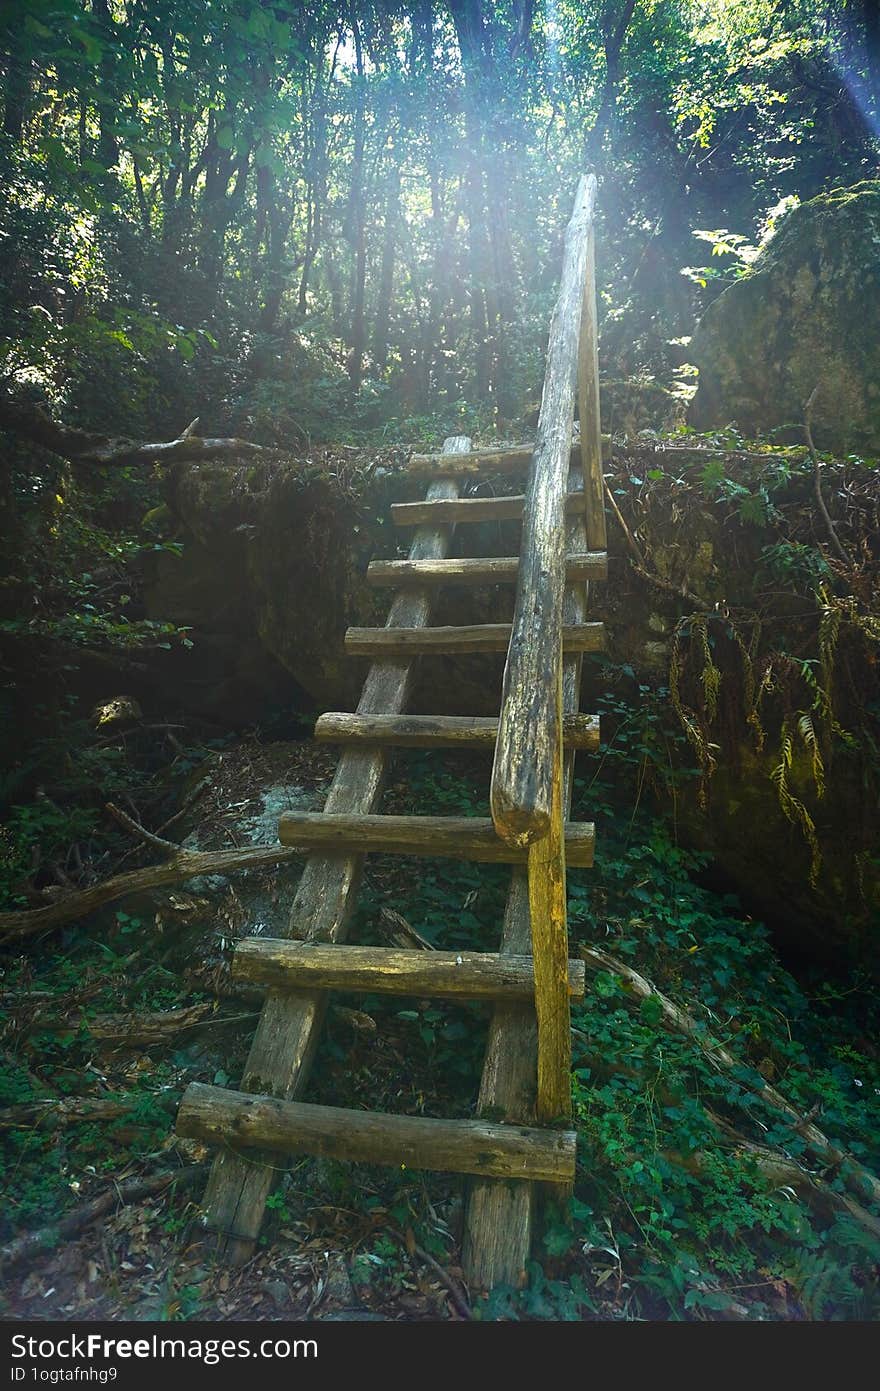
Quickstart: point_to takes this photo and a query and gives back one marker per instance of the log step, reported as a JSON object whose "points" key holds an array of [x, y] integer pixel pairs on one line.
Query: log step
{"points": [[439, 731], [589, 565], [461, 837], [282, 964], [450, 511], [486, 460], [476, 637], [240, 1120]]}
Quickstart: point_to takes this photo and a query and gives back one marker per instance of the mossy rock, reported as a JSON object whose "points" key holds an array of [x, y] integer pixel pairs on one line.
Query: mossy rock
{"points": [[807, 314]]}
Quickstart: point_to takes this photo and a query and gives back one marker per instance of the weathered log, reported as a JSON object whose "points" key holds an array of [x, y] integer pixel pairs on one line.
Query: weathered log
{"points": [[528, 734], [285, 965], [219, 1117], [475, 637], [432, 731], [144, 1030], [461, 837], [182, 864], [285, 1040], [470, 509], [490, 460], [51, 1113], [121, 1194], [592, 565]]}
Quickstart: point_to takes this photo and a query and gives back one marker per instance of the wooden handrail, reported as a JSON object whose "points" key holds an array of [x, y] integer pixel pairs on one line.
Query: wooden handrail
{"points": [[529, 727], [528, 798]]}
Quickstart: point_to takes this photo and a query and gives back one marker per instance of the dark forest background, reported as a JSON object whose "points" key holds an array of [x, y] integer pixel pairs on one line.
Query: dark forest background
{"points": [[266, 214]]}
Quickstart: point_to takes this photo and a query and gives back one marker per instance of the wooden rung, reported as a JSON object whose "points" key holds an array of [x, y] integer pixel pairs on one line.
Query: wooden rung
{"points": [[451, 511], [486, 460], [284, 965], [433, 731], [462, 837], [477, 637], [239, 1120], [589, 565]]}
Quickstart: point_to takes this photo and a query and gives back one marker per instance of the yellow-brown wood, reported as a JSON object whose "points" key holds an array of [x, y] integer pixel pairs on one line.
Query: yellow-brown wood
{"points": [[281, 964], [548, 914]]}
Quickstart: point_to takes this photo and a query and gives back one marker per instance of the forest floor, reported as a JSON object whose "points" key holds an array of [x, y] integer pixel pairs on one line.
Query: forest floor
{"points": [[644, 1239]]}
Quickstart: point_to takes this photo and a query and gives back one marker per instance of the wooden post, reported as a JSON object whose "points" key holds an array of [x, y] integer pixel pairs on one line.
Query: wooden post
{"points": [[548, 913]]}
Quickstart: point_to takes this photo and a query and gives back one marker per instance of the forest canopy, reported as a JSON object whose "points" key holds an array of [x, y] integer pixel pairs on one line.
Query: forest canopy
{"points": [[260, 212]]}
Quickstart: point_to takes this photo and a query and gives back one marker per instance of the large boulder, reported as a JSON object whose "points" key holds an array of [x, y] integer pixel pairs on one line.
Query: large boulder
{"points": [[807, 314]]}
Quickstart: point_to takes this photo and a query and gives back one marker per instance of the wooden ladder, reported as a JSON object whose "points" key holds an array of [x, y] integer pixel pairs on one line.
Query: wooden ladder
{"points": [[530, 979]]}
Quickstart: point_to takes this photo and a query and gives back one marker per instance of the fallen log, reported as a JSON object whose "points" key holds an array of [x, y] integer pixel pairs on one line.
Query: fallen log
{"points": [[30, 422], [181, 865], [859, 1180], [55, 1111], [123, 1194], [133, 1030]]}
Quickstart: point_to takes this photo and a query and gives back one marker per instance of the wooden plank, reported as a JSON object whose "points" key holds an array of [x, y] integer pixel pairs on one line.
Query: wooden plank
{"points": [[220, 1117], [591, 565], [461, 837], [475, 637], [488, 460], [522, 773], [284, 965], [588, 406], [499, 1217], [281, 1053], [470, 509], [439, 731]]}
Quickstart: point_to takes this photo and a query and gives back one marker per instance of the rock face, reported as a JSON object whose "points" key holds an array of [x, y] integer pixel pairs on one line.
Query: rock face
{"points": [[273, 572], [807, 314]]}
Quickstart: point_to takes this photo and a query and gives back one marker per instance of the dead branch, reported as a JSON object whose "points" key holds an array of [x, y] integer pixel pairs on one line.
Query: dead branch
{"points": [[56, 1111], [132, 1030], [638, 562], [123, 1194], [839, 548], [860, 1181], [181, 865], [30, 422]]}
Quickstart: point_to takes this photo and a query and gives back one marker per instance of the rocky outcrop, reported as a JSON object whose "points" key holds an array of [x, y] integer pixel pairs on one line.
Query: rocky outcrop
{"points": [[807, 314]]}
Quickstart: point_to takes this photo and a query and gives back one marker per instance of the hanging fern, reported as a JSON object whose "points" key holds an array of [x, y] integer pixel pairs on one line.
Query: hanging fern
{"points": [[792, 807]]}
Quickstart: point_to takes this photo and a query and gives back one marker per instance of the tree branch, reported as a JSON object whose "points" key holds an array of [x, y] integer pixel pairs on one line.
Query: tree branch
{"points": [[31, 423], [817, 482], [183, 864]]}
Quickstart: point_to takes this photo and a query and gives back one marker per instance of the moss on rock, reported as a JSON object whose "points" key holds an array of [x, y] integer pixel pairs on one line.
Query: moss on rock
{"points": [[807, 314]]}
